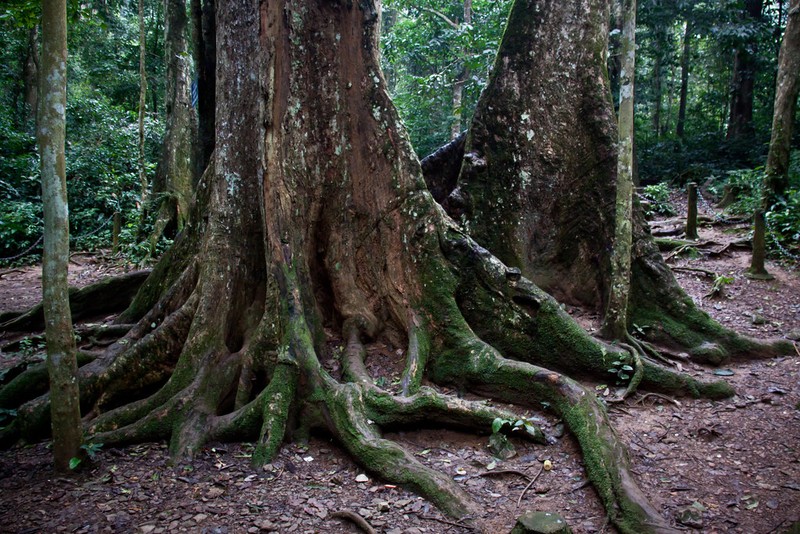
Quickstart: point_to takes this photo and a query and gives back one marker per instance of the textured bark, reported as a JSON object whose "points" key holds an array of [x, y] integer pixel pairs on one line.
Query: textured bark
{"points": [[51, 124], [786, 89], [615, 320]]}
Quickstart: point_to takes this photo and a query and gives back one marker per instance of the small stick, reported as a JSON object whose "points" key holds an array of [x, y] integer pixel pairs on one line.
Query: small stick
{"points": [[694, 270], [444, 521], [355, 518], [521, 495]]}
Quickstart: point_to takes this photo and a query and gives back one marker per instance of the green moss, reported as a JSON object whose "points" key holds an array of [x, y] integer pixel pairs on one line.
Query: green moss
{"points": [[277, 399]]}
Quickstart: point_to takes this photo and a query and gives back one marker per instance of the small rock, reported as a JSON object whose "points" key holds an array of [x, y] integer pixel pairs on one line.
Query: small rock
{"points": [[541, 523], [362, 478], [690, 516], [147, 529], [383, 506]]}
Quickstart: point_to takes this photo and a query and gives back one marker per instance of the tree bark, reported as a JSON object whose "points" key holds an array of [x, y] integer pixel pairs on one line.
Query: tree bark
{"points": [[786, 90], [615, 321], [61, 352]]}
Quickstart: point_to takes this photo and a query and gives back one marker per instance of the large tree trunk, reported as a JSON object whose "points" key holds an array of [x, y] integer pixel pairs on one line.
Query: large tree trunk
{"points": [[541, 196], [313, 226], [51, 126], [786, 90]]}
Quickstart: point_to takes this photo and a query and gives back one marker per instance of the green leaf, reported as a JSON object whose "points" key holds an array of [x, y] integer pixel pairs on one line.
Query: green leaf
{"points": [[724, 372], [74, 462], [627, 368], [497, 424]]}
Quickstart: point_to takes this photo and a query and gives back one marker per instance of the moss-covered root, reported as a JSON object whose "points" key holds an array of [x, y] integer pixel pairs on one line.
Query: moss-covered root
{"points": [[427, 407], [512, 314], [276, 400], [483, 370], [346, 411], [669, 316]]}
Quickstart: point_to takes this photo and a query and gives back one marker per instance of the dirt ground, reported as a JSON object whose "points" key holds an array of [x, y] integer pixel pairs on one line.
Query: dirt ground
{"points": [[708, 466]]}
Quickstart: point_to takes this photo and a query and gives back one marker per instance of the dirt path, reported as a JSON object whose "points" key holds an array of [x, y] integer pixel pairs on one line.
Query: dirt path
{"points": [[722, 466]]}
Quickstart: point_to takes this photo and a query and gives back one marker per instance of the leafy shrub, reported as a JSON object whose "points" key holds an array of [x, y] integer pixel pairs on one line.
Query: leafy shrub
{"points": [[783, 222], [658, 202]]}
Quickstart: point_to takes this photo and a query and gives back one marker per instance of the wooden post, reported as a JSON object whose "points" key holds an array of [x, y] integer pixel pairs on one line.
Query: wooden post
{"points": [[115, 233], [757, 270], [691, 214]]}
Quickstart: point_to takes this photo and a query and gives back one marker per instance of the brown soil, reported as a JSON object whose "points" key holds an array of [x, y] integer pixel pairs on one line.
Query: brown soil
{"points": [[715, 466]]}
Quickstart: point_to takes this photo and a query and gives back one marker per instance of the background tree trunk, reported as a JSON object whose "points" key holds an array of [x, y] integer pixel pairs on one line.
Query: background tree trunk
{"points": [[61, 352], [786, 90], [740, 122], [175, 176], [30, 73], [143, 183], [687, 35]]}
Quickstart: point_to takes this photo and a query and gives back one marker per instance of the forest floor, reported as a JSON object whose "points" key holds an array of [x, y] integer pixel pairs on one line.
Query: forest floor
{"points": [[712, 466]]}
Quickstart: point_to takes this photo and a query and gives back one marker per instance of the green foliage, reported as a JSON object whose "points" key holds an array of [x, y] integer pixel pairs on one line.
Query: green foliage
{"points": [[658, 202], [102, 136], [426, 47], [89, 450], [499, 444], [720, 283], [783, 224], [621, 369]]}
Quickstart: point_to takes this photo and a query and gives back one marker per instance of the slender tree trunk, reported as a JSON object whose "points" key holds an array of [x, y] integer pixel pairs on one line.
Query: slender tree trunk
{"points": [[786, 90], [616, 317], [461, 80], [30, 73], [143, 197], [657, 95], [175, 176], [679, 128], [740, 122], [61, 352]]}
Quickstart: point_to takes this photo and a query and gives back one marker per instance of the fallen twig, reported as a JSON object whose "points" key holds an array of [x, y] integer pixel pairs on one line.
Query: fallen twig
{"points": [[658, 396], [359, 521], [694, 270], [521, 495], [444, 521]]}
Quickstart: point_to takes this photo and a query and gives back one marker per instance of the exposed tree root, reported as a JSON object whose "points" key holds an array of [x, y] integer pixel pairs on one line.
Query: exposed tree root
{"points": [[106, 296]]}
